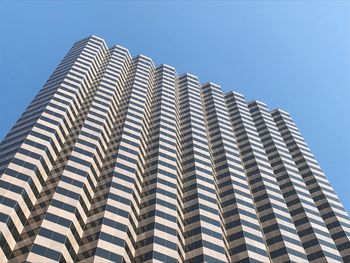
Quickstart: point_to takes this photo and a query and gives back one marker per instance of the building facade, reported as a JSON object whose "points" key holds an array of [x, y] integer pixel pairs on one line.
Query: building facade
{"points": [[118, 160]]}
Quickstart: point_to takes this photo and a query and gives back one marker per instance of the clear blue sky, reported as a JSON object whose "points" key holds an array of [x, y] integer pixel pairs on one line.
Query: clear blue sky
{"points": [[293, 55]]}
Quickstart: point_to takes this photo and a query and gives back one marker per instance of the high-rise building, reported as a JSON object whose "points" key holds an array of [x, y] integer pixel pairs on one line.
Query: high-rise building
{"points": [[118, 160]]}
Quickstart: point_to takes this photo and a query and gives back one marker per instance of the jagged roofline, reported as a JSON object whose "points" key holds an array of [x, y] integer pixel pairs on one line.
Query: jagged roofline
{"points": [[179, 76]]}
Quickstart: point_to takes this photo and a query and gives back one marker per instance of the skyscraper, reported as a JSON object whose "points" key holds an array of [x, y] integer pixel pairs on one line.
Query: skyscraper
{"points": [[118, 160]]}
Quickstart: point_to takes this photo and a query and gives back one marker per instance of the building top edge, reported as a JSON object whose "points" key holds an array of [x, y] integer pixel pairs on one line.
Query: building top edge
{"points": [[187, 74], [209, 83], [279, 110], [257, 102], [179, 76], [234, 93]]}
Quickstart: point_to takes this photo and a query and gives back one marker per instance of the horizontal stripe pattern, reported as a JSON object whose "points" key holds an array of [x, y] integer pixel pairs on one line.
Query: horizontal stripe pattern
{"points": [[116, 160]]}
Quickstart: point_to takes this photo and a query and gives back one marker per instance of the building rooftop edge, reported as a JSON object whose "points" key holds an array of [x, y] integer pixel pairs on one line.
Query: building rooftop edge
{"points": [[179, 75], [209, 83]]}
